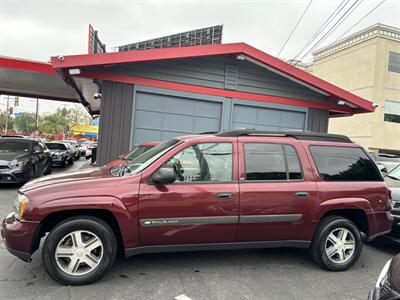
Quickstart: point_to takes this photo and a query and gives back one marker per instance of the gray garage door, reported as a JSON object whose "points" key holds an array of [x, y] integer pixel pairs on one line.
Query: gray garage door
{"points": [[267, 118], [158, 117]]}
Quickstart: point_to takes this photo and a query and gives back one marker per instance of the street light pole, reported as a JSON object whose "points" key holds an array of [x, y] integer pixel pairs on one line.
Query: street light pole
{"points": [[7, 111], [37, 114]]}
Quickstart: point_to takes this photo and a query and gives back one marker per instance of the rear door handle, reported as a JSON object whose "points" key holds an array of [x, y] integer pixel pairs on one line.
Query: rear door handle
{"points": [[224, 196], [302, 195]]}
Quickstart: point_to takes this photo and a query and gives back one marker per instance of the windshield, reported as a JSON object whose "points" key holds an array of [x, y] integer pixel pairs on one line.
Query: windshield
{"points": [[56, 146], [395, 173], [139, 150], [147, 158], [14, 146]]}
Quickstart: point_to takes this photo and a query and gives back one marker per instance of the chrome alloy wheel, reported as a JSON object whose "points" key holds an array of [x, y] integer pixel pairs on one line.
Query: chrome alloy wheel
{"points": [[79, 252], [340, 245]]}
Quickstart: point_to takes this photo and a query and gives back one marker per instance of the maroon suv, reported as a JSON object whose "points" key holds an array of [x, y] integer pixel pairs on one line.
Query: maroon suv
{"points": [[231, 190]]}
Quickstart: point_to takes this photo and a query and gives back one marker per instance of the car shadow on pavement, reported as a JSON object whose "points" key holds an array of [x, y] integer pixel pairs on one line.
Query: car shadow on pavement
{"points": [[254, 258], [385, 245], [10, 186]]}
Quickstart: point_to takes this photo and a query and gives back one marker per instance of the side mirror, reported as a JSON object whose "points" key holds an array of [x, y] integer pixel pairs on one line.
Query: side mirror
{"points": [[164, 176]]}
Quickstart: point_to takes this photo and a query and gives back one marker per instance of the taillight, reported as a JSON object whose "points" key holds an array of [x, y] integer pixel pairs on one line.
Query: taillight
{"points": [[389, 201]]}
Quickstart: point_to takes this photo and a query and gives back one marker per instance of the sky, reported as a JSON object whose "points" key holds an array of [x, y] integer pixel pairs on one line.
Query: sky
{"points": [[40, 29]]}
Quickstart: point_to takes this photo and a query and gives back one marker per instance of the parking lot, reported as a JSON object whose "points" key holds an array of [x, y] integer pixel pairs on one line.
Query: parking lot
{"points": [[247, 274]]}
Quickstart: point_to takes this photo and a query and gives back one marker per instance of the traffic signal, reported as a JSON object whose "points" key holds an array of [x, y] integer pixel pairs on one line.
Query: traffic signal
{"points": [[16, 101]]}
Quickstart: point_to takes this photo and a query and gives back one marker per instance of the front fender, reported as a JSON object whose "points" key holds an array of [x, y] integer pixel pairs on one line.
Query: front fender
{"points": [[126, 220], [342, 204]]}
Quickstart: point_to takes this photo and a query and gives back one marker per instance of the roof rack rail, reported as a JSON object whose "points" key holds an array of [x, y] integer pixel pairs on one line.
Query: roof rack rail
{"points": [[300, 135], [209, 132]]}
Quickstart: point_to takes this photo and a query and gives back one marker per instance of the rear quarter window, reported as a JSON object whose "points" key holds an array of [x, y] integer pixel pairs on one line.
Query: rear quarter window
{"points": [[344, 164]]}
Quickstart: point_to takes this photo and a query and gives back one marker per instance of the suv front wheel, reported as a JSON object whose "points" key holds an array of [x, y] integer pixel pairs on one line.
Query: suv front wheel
{"points": [[79, 250], [337, 244]]}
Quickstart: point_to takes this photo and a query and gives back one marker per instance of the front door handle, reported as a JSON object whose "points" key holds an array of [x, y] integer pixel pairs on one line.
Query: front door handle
{"points": [[224, 196], [302, 195]]}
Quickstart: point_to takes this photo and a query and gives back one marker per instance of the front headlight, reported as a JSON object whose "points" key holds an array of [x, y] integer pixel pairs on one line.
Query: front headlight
{"points": [[20, 204], [15, 163], [383, 275]]}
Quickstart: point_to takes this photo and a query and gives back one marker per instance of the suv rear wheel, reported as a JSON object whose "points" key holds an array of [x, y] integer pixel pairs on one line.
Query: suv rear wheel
{"points": [[337, 243], [79, 250]]}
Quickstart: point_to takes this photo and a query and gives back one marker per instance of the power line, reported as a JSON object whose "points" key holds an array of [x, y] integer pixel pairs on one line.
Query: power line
{"points": [[347, 13], [338, 9], [359, 21], [295, 27]]}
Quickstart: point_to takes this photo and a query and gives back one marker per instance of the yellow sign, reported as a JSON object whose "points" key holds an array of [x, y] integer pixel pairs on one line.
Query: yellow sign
{"points": [[82, 129]]}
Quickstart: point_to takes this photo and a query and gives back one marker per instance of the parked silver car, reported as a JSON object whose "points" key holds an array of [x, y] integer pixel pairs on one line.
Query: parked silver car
{"points": [[393, 182]]}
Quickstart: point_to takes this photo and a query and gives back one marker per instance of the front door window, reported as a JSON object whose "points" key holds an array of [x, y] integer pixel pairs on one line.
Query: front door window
{"points": [[208, 162]]}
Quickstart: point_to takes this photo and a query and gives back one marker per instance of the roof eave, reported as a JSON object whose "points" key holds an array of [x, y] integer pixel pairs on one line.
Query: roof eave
{"points": [[86, 60]]}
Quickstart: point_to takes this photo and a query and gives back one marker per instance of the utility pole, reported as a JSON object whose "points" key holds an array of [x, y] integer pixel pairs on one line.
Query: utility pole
{"points": [[37, 114], [7, 113]]}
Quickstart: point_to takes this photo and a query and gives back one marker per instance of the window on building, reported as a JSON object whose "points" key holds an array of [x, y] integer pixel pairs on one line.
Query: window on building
{"points": [[394, 62], [392, 111], [266, 161], [344, 164], [210, 162]]}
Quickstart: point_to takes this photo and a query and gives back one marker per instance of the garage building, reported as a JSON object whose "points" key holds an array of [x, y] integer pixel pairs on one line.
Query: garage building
{"points": [[153, 95]]}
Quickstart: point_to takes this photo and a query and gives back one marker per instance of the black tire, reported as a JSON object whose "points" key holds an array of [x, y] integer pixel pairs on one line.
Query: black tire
{"points": [[49, 169], [71, 160], [64, 164], [87, 157], [32, 172], [88, 223], [326, 226]]}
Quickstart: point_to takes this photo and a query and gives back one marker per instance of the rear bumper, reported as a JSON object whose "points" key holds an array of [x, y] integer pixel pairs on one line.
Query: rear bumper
{"points": [[18, 236], [380, 223]]}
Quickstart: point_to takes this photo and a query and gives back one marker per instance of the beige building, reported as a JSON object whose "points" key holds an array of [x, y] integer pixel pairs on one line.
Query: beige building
{"points": [[366, 63]]}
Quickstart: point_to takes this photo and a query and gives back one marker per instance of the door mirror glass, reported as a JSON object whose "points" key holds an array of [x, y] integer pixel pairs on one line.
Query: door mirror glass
{"points": [[164, 176]]}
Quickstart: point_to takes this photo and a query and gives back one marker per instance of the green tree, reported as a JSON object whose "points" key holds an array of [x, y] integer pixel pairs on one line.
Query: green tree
{"points": [[78, 115], [25, 122], [3, 118], [63, 119], [55, 122]]}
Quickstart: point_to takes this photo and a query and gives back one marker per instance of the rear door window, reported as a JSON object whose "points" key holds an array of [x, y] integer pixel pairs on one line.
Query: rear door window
{"points": [[271, 162], [344, 164]]}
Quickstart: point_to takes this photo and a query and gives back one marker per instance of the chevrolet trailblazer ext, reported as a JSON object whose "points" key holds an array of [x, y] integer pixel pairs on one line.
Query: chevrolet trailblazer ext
{"points": [[231, 190]]}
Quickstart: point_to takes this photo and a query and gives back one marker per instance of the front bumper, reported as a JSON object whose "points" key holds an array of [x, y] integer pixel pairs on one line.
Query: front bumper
{"points": [[14, 175], [18, 236]]}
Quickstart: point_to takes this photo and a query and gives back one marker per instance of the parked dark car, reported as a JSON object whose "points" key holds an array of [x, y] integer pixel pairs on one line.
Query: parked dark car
{"points": [[387, 286], [231, 190], [393, 182], [75, 148], [61, 154], [22, 159]]}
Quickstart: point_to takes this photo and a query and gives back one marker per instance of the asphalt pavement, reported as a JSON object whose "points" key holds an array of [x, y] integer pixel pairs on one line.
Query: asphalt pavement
{"points": [[247, 274]]}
